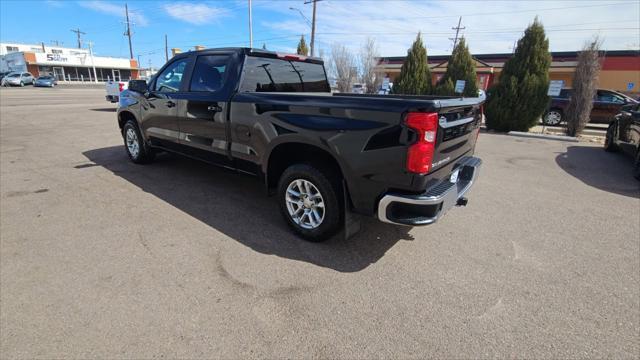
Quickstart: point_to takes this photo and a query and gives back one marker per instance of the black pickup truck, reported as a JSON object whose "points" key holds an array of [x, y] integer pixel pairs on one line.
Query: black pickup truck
{"points": [[404, 159]]}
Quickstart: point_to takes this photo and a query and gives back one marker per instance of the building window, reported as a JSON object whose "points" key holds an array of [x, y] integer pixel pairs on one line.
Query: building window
{"points": [[12, 48], [56, 51], [36, 49]]}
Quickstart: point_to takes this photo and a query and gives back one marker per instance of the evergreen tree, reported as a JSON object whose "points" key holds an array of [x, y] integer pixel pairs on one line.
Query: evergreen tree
{"points": [[415, 77], [520, 97], [302, 47], [461, 67]]}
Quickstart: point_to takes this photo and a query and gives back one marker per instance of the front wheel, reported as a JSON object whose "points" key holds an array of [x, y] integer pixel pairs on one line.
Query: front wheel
{"points": [[137, 150], [310, 201], [609, 140], [552, 117], [21, 83]]}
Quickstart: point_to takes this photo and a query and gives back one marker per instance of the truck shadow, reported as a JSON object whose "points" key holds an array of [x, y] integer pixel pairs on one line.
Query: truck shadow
{"points": [[612, 172], [237, 205]]}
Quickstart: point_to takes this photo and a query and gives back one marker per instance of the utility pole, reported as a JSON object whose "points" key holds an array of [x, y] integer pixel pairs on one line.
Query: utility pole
{"points": [[166, 49], [95, 74], [457, 29], [313, 24], [250, 27], [128, 32], [79, 34]]}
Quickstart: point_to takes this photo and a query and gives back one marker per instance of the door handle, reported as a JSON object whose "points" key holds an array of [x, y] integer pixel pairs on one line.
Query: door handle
{"points": [[214, 108], [170, 104]]}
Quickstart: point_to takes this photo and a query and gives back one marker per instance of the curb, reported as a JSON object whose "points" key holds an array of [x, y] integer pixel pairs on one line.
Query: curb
{"points": [[543, 136]]}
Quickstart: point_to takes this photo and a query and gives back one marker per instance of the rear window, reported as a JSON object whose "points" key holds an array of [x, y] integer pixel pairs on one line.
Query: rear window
{"points": [[279, 75]]}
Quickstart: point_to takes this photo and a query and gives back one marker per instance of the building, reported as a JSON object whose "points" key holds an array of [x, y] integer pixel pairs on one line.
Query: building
{"points": [[66, 64], [620, 68]]}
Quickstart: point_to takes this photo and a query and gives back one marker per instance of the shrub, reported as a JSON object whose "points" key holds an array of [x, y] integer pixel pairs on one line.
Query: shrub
{"points": [[460, 67], [520, 97], [415, 77], [585, 81]]}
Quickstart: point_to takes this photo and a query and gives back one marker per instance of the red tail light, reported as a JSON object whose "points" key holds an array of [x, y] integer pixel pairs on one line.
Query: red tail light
{"points": [[292, 57], [420, 154], [121, 86]]}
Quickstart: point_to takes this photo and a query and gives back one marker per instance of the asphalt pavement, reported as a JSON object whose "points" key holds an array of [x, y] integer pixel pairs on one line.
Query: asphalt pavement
{"points": [[101, 258]]}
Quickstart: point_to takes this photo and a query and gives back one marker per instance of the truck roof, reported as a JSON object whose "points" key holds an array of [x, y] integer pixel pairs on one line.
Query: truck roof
{"points": [[264, 53]]}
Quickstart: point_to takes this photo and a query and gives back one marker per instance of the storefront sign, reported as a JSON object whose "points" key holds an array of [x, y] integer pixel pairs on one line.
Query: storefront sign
{"points": [[554, 87], [56, 57]]}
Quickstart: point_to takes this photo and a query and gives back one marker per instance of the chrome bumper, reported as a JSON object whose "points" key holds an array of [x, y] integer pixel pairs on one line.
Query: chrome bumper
{"points": [[428, 207]]}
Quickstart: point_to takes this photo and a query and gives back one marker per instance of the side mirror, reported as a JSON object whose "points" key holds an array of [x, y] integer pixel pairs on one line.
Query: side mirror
{"points": [[139, 86]]}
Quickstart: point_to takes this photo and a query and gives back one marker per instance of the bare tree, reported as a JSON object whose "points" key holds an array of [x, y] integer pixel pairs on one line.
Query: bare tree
{"points": [[585, 81], [370, 74], [343, 67]]}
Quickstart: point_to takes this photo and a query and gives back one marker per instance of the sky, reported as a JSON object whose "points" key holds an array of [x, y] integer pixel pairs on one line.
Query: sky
{"points": [[489, 26]]}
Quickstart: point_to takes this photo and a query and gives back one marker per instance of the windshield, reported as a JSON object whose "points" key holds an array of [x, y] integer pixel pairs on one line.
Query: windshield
{"points": [[14, 75], [45, 78]]}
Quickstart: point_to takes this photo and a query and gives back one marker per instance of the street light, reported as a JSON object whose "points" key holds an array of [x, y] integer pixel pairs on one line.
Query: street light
{"points": [[301, 14]]}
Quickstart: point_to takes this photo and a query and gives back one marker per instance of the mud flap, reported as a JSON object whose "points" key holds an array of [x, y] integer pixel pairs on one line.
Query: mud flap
{"points": [[351, 220]]}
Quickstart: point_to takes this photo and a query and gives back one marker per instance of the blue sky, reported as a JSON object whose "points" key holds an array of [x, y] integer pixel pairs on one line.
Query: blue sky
{"points": [[490, 26]]}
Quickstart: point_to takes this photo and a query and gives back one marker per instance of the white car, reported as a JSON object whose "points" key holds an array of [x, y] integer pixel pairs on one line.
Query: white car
{"points": [[114, 88]]}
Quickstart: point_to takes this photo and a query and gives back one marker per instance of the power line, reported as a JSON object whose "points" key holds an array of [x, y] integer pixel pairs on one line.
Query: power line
{"points": [[457, 29], [79, 34], [128, 32]]}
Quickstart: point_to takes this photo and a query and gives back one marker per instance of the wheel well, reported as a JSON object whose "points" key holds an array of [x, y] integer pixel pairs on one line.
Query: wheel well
{"points": [[285, 155], [123, 117]]}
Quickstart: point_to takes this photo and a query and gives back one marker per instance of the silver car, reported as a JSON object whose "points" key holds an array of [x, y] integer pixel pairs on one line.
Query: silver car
{"points": [[18, 79]]}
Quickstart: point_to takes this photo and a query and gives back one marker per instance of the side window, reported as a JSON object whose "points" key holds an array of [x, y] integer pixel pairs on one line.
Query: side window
{"points": [[610, 97], [209, 73], [171, 78]]}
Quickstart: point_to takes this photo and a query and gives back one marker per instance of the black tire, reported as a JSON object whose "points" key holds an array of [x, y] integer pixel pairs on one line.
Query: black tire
{"points": [[636, 166], [145, 154], [328, 185], [553, 117], [21, 83], [609, 140]]}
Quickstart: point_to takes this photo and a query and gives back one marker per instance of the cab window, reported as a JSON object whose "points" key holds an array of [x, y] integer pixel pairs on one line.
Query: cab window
{"points": [[170, 79], [209, 73], [609, 97]]}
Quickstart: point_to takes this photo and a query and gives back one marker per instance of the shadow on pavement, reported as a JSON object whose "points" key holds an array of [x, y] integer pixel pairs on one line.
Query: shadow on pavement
{"points": [[105, 109], [612, 172], [237, 205]]}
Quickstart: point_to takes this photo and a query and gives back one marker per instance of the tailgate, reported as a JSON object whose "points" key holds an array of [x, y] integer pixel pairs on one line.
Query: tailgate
{"points": [[458, 128]]}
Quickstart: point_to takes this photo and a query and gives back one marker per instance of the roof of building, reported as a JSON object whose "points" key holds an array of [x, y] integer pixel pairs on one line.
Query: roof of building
{"points": [[557, 56]]}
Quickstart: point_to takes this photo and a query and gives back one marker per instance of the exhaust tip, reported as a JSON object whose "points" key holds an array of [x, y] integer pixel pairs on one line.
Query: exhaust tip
{"points": [[462, 201]]}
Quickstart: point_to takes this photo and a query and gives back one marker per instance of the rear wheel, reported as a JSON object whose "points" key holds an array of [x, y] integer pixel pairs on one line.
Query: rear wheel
{"points": [[552, 117], [609, 140], [138, 151], [310, 201]]}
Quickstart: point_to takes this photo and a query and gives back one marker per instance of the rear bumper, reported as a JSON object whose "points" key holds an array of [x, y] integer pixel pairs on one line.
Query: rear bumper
{"points": [[428, 207], [113, 98]]}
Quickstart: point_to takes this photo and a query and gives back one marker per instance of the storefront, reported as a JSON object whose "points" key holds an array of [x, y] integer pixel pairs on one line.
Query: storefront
{"points": [[67, 64], [620, 69]]}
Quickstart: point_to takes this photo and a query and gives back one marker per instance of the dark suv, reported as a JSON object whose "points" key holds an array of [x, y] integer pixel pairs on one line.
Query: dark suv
{"points": [[623, 134], [606, 104]]}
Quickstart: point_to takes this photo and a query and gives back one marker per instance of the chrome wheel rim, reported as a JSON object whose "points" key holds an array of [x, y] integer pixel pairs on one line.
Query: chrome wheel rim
{"points": [[553, 118], [132, 142], [305, 204]]}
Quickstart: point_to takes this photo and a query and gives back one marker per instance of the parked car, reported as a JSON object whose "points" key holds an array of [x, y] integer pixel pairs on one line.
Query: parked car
{"points": [[18, 79], [46, 81], [114, 88], [3, 74], [623, 134], [358, 89], [606, 104], [405, 159]]}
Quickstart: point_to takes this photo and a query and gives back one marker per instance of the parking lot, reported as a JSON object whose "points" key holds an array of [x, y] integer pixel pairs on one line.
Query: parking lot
{"points": [[103, 258]]}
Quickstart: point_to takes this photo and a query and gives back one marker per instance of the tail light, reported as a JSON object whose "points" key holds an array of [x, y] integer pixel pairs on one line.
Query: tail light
{"points": [[121, 86], [420, 154]]}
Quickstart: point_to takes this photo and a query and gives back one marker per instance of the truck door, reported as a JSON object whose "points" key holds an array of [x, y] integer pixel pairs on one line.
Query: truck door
{"points": [[159, 107], [203, 115]]}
